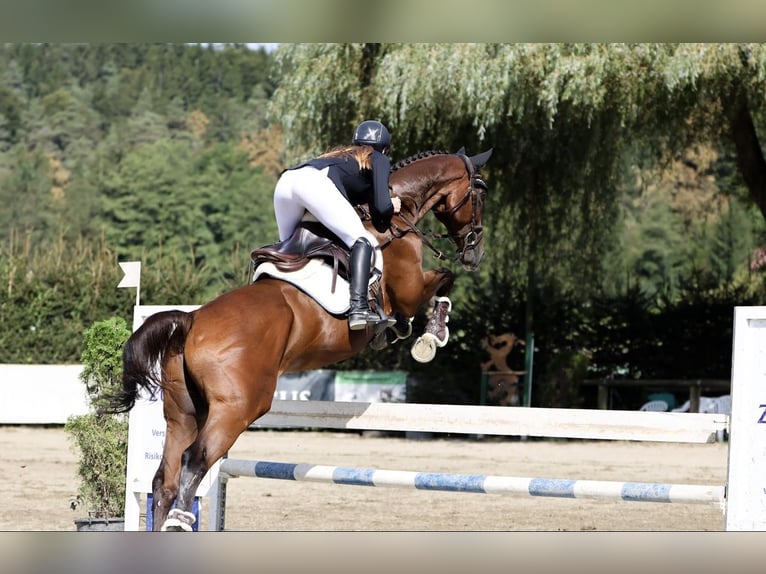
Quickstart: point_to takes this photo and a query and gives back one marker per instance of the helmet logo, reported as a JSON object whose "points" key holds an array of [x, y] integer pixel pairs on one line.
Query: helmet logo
{"points": [[372, 134]]}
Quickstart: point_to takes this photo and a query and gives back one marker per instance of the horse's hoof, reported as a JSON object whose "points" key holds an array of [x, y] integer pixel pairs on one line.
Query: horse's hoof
{"points": [[174, 525], [178, 521], [424, 349], [379, 342], [403, 327]]}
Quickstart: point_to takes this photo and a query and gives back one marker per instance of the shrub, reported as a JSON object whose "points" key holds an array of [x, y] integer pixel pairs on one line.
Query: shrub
{"points": [[101, 439]]}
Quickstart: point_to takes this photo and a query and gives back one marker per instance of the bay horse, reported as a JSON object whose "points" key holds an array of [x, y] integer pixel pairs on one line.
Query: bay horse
{"points": [[219, 364]]}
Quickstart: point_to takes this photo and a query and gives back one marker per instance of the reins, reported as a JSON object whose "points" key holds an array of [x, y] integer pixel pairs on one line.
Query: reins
{"points": [[422, 236]]}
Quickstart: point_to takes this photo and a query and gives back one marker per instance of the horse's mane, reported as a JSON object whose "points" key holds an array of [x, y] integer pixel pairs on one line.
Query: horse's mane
{"points": [[413, 158]]}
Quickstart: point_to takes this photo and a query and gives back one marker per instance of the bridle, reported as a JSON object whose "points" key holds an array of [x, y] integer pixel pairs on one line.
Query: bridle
{"points": [[475, 232], [471, 234]]}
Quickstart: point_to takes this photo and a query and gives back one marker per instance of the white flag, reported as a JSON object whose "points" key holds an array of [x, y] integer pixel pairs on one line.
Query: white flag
{"points": [[132, 270]]}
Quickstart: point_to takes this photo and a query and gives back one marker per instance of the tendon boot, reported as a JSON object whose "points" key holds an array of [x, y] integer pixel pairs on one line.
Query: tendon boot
{"points": [[360, 315]]}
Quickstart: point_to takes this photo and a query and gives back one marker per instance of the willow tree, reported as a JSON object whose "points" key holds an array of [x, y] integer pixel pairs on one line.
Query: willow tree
{"points": [[559, 116]]}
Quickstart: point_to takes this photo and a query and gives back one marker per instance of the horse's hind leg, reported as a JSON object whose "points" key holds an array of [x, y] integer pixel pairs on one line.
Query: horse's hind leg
{"points": [[181, 430], [178, 436], [217, 435]]}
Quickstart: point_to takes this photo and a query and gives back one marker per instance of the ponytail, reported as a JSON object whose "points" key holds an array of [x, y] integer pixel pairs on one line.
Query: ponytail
{"points": [[361, 153]]}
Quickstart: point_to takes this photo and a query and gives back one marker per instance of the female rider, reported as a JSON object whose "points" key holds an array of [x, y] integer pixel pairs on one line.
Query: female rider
{"points": [[329, 187]]}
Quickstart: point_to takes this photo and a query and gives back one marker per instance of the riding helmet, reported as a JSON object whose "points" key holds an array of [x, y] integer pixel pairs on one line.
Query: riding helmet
{"points": [[372, 133]]}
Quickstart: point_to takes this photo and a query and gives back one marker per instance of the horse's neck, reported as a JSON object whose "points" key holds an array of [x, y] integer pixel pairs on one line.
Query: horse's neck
{"points": [[419, 203], [425, 182]]}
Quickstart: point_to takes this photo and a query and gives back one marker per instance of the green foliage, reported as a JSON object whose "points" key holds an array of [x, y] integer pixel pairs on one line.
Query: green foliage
{"points": [[81, 123], [167, 198], [101, 440], [691, 218], [102, 444], [25, 195], [561, 117], [102, 359], [687, 338], [168, 154], [49, 297]]}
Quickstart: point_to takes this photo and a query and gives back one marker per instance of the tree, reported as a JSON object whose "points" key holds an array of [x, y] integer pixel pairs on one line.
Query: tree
{"points": [[26, 195], [146, 202], [560, 117]]}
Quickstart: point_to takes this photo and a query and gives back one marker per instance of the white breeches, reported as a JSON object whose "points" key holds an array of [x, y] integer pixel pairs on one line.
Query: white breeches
{"points": [[310, 190]]}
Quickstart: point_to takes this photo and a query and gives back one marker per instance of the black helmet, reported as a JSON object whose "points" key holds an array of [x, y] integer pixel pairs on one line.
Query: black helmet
{"points": [[372, 133]]}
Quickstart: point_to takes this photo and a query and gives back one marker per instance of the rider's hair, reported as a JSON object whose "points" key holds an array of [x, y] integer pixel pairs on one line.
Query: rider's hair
{"points": [[361, 153]]}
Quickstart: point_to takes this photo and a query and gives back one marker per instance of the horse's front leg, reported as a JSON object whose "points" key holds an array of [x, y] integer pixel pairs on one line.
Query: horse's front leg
{"points": [[439, 283]]}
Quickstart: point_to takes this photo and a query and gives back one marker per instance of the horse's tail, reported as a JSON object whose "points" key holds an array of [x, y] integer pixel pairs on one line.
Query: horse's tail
{"points": [[144, 355]]}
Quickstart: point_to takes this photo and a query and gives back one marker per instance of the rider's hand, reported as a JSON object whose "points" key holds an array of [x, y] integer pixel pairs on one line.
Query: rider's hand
{"points": [[397, 203]]}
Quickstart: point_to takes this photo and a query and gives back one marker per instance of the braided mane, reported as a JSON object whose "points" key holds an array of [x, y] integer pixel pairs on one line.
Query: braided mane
{"points": [[413, 158]]}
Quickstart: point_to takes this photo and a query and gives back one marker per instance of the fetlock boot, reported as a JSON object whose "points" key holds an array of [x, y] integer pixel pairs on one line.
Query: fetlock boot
{"points": [[360, 315]]}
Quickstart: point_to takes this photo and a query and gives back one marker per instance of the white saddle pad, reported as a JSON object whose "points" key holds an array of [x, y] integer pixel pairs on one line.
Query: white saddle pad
{"points": [[315, 279]]}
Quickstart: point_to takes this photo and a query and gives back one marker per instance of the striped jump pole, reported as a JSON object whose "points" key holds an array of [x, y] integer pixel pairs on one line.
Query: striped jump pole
{"points": [[478, 483]]}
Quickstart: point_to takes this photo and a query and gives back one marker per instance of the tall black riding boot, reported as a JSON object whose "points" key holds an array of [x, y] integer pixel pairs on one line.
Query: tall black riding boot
{"points": [[360, 315]]}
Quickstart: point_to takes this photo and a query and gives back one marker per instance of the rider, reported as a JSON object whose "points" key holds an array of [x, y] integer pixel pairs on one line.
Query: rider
{"points": [[328, 187]]}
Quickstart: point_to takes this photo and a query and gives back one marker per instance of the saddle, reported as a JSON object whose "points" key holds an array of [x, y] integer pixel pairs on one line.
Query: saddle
{"points": [[312, 243], [310, 240]]}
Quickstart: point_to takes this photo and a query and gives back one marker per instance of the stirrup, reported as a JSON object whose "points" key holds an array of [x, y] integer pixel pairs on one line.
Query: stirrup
{"points": [[363, 318], [389, 320]]}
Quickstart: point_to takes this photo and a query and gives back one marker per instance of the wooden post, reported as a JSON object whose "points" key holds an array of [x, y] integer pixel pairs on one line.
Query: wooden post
{"points": [[603, 395], [694, 396], [483, 389], [529, 359]]}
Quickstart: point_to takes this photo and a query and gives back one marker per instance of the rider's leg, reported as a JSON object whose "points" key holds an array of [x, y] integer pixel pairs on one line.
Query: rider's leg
{"points": [[360, 315], [288, 205]]}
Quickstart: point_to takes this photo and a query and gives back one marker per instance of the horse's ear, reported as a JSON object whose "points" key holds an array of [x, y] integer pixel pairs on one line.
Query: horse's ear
{"points": [[482, 158], [461, 151]]}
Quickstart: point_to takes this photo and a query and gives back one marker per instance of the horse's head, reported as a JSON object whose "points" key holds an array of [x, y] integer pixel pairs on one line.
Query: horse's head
{"points": [[450, 185], [461, 207]]}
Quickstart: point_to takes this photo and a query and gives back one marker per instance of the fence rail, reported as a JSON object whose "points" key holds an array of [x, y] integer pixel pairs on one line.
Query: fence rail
{"points": [[505, 421]]}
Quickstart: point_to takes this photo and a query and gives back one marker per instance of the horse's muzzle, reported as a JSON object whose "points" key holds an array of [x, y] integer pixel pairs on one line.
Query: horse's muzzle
{"points": [[473, 250], [471, 257]]}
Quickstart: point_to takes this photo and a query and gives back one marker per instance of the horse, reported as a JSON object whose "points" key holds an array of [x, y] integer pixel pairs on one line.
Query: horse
{"points": [[219, 364]]}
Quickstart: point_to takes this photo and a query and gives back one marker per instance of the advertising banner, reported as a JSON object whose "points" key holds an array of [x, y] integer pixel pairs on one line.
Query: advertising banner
{"points": [[371, 386]]}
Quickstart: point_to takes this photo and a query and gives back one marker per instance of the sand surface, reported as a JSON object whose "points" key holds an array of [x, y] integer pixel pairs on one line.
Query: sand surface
{"points": [[38, 481]]}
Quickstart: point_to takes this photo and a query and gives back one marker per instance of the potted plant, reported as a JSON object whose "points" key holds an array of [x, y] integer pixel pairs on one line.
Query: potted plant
{"points": [[101, 439]]}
